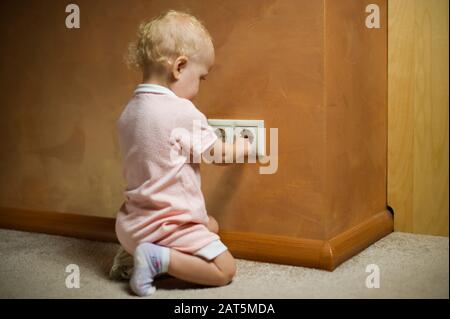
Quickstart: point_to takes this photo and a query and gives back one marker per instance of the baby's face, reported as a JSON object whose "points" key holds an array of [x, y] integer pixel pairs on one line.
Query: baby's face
{"points": [[195, 70]]}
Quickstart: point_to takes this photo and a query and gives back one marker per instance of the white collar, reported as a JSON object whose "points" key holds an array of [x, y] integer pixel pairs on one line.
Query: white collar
{"points": [[153, 88]]}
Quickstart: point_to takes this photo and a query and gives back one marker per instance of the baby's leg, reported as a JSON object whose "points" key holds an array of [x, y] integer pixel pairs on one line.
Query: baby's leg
{"points": [[151, 260], [218, 272], [123, 261]]}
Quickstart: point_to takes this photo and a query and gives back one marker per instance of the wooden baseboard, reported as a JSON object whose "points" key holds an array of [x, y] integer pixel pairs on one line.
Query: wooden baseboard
{"points": [[63, 224], [275, 249], [323, 254]]}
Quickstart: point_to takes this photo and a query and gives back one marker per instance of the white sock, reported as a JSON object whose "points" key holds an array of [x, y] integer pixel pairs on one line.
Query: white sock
{"points": [[149, 261]]}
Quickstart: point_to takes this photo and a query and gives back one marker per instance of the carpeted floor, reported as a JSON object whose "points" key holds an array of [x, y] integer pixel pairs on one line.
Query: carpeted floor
{"points": [[411, 266]]}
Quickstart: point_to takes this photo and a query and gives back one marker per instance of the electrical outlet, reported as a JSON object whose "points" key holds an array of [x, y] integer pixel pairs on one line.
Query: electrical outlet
{"points": [[251, 133], [224, 133], [227, 129], [221, 134]]}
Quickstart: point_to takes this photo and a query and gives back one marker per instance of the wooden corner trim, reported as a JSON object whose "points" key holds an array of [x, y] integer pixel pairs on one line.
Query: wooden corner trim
{"points": [[354, 240]]}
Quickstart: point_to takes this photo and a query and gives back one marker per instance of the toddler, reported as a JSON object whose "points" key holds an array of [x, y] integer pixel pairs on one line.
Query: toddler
{"points": [[163, 222]]}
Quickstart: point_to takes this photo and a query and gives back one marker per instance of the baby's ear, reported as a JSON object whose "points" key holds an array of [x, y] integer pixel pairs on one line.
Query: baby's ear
{"points": [[178, 66]]}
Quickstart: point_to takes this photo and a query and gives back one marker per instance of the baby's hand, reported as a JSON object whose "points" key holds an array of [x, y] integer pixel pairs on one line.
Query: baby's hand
{"points": [[237, 151]]}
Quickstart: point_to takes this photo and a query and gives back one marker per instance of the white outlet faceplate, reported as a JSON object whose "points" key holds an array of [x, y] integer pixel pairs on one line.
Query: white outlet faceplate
{"points": [[235, 127]]}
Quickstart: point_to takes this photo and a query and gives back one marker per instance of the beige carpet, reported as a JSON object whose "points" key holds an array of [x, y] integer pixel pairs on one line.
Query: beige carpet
{"points": [[411, 266]]}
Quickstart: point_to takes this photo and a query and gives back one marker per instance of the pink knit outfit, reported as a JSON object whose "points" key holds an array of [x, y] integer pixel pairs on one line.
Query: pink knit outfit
{"points": [[164, 203]]}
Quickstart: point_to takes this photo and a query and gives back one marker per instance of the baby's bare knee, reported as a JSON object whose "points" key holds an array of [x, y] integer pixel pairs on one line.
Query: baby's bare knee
{"points": [[229, 273]]}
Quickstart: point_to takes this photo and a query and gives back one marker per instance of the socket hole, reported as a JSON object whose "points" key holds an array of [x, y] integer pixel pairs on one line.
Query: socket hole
{"points": [[245, 133], [220, 132]]}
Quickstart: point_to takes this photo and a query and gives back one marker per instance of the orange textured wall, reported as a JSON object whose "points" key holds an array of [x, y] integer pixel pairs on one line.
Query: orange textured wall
{"points": [[271, 68], [355, 95], [300, 65]]}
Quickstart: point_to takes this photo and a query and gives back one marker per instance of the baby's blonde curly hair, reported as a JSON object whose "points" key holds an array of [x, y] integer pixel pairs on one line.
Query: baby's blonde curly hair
{"points": [[166, 37]]}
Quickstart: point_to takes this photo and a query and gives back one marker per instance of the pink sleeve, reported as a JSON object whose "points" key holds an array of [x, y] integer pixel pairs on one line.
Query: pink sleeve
{"points": [[196, 136]]}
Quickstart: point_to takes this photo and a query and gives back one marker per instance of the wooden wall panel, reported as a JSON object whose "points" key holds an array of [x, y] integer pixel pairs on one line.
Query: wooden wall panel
{"points": [[418, 115]]}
